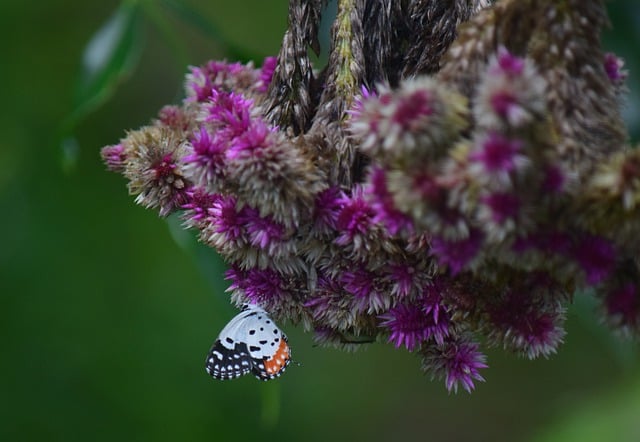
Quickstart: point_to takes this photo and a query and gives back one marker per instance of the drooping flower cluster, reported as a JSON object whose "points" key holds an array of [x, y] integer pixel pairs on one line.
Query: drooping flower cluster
{"points": [[447, 197]]}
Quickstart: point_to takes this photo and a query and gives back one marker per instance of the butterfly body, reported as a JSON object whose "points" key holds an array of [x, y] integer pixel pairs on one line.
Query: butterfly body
{"points": [[250, 342]]}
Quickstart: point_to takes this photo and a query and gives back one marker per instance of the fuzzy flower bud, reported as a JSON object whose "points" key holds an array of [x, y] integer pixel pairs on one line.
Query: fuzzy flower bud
{"points": [[114, 157], [511, 93], [417, 121]]}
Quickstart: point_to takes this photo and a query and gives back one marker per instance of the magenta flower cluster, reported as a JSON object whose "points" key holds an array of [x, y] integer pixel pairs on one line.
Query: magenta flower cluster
{"points": [[440, 212]]}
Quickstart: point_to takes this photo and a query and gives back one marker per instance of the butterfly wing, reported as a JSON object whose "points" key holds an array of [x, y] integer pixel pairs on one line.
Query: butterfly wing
{"points": [[228, 363], [250, 342], [273, 365]]}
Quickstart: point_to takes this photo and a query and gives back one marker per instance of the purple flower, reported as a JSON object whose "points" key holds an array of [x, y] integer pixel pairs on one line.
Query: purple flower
{"points": [[503, 206], [165, 167], [511, 93], [613, 67], [198, 205], [329, 293], [199, 86], [114, 157], [596, 256], [498, 154], [359, 102], [355, 217], [623, 305], [410, 326], [173, 117], [458, 361], [326, 209], [435, 212], [266, 73], [403, 278], [383, 206], [319, 306], [225, 218], [432, 299], [509, 64], [412, 108], [208, 155], [262, 285], [249, 143], [554, 179], [427, 186], [456, 254], [504, 104], [231, 111], [362, 285], [525, 323], [262, 231], [237, 276], [203, 82], [358, 282]]}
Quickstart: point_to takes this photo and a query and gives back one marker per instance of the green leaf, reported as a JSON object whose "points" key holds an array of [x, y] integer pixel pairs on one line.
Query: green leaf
{"points": [[111, 54], [196, 19]]}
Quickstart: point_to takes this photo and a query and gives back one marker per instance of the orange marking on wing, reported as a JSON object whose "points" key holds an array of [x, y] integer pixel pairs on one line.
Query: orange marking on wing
{"points": [[279, 359]]}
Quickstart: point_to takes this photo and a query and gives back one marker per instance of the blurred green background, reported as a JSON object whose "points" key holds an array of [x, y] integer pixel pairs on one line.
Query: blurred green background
{"points": [[107, 316]]}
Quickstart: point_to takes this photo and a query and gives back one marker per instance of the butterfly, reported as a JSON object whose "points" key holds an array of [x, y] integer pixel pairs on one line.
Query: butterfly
{"points": [[250, 342]]}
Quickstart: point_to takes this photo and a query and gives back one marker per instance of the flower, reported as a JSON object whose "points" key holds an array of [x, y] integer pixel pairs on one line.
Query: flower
{"points": [[355, 220], [154, 168], [413, 324], [415, 121], [511, 93], [326, 208], [206, 164], [622, 304], [114, 157], [459, 362], [596, 256], [526, 324], [456, 254], [613, 66], [383, 205], [435, 211], [262, 231], [266, 73], [264, 284], [198, 206], [405, 279], [368, 296], [503, 206], [497, 156]]}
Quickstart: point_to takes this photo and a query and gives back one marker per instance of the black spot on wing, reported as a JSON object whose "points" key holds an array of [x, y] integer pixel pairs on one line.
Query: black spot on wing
{"points": [[224, 363]]}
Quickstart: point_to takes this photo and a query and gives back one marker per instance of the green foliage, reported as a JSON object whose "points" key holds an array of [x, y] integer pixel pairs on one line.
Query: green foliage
{"points": [[109, 57], [608, 416]]}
